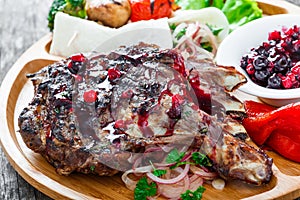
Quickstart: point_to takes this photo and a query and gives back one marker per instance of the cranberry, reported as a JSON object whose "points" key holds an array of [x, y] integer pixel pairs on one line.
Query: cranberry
{"points": [[296, 69], [287, 83], [90, 96], [78, 58], [250, 69], [76, 62], [113, 74], [275, 35]]}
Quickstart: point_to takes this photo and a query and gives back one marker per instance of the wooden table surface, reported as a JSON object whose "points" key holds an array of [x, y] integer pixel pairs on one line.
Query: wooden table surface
{"points": [[22, 23]]}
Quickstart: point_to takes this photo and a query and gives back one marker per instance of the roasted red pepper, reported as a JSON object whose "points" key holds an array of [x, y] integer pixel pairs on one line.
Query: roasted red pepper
{"points": [[150, 9], [278, 128]]}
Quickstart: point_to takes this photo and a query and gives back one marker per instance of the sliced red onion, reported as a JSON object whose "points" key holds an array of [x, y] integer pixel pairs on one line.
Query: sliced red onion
{"points": [[195, 184], [169, 181], [174, 191], [200, 172], [131, 184]]}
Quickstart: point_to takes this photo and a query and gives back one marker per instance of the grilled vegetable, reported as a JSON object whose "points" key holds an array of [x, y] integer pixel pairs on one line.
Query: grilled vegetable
{"points": [[71, 7], [146, 9], [278, 128]]}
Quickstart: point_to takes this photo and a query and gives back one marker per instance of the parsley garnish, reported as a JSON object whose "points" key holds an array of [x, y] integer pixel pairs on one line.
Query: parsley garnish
{"points": [[201, 159], [196, 195], [180, 33], [159, 172], [174, 156], [143, 189]]}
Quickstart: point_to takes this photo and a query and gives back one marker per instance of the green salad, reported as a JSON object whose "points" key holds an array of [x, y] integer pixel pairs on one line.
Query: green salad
{"points": [[238, 12]]}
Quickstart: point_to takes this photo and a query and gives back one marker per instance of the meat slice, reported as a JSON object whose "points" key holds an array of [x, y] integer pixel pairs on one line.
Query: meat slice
{"points": [[93, 115]]}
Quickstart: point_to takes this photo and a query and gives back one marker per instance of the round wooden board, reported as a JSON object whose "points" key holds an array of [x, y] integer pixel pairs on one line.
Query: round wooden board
{"points": [[16, 91]]}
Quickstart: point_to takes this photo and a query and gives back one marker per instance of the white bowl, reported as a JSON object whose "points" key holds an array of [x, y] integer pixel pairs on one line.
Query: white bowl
{"points": [[240, 41]]}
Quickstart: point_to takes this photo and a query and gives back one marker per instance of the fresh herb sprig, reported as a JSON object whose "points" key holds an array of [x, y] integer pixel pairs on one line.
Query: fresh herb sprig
{"points": [[144, 189], [196, 195]]}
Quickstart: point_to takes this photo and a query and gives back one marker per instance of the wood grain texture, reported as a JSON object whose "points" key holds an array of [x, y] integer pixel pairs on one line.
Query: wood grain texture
{"points": [[22, 24]]}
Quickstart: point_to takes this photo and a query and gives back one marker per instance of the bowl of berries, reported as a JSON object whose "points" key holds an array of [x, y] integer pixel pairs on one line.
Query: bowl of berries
{"points": [[267, 52]]}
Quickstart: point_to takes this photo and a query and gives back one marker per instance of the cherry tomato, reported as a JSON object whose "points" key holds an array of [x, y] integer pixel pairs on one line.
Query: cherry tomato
{"points": [[150, 9]]}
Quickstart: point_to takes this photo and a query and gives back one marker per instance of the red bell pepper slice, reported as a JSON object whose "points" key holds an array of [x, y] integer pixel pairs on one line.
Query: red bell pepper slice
{"points": [[278, 128], [285, 146], [254, 108]]}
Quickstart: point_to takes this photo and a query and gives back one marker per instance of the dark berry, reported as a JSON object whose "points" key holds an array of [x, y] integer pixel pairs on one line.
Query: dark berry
{"points": [[282, 64], [262, 75], [260, 62], [295, 36], [244, 62], [263, 50], [274, 82]]}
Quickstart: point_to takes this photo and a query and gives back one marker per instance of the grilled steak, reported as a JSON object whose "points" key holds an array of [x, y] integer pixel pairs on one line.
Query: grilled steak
{"points": [[91, 115]]}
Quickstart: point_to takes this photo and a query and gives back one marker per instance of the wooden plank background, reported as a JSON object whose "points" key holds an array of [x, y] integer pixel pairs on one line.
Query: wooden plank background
{"points": [[22, 23]]}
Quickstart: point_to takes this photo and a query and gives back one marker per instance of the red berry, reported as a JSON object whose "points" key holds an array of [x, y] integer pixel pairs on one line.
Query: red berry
{"points": [[250, 69], [288, 81], [275, 35], [70, 64], [296, 69], [113, 74], [78, 58], [90, 96], [289, 32]]}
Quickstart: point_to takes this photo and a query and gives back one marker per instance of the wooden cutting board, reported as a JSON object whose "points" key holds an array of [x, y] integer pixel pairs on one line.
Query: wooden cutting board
{"points": [[16, 92]]}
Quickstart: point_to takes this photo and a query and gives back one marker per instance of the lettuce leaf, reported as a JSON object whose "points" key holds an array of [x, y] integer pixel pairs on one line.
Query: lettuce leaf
{"points": [[238, 12]]}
